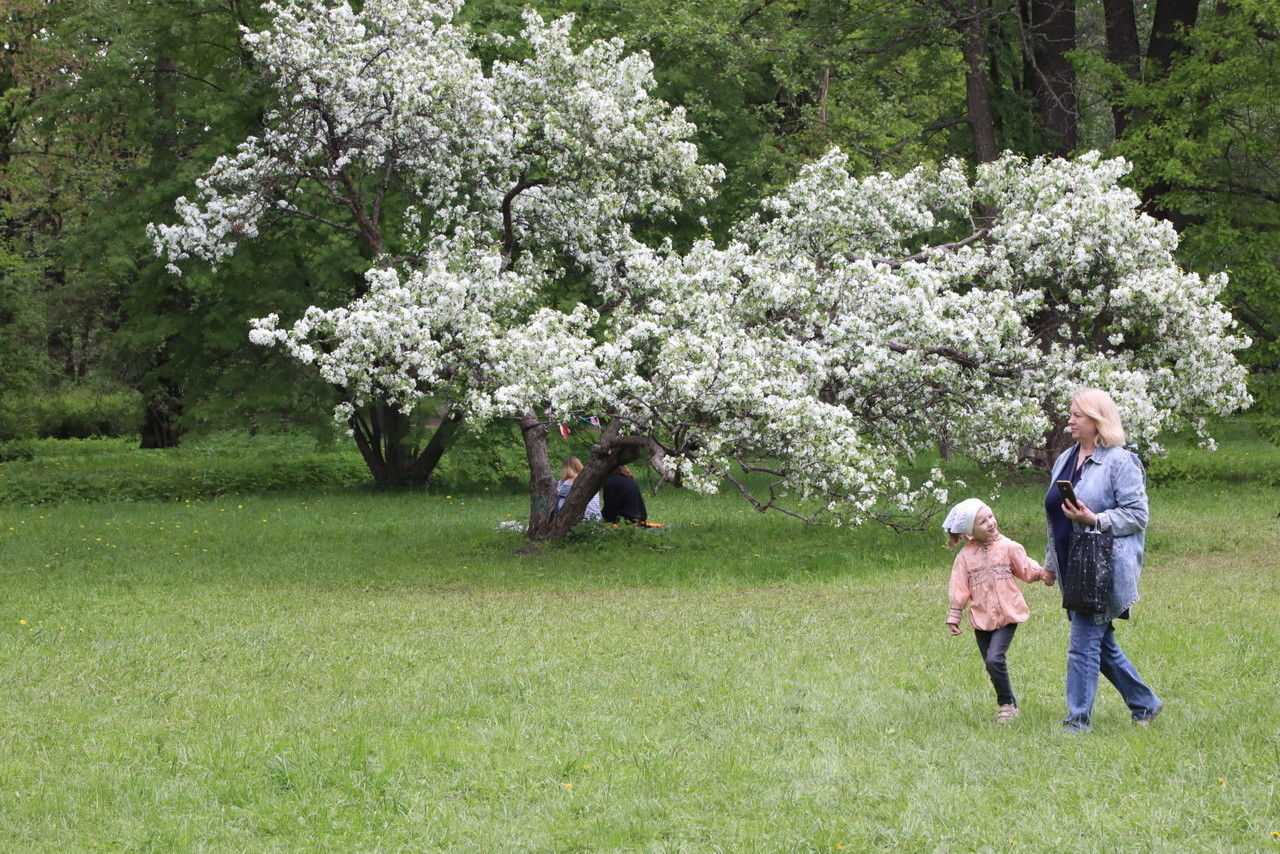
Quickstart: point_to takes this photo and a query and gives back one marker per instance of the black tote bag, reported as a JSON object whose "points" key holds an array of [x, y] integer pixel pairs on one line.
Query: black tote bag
{"points": [[1086, 584]]}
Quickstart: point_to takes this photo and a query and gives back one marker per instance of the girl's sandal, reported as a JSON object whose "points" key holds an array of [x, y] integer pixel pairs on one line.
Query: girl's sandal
{"points": [[1006, 713]]}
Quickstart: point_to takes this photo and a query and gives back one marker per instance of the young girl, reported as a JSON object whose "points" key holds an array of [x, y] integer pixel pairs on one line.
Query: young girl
{"points": [[568, 473], [982, 578]]}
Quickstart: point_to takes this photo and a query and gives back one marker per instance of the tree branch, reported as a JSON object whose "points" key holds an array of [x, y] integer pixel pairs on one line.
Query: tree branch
{"points": [[980, 234], [508, 223]]}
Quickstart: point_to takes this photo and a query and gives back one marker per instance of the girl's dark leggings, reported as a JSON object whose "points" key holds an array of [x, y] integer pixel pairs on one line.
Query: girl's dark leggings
{"points": [[993, 646]]}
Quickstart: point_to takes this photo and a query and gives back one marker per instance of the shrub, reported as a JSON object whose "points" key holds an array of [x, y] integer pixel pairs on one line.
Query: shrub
{"points": [[16, 449], [1243, 457], [116, 470], [1266, 407], [81, 413], [492, 459], [16, 421]]}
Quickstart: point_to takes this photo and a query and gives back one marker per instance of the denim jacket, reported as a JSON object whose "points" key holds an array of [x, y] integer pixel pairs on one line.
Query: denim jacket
{"points": [[1113, 485]]}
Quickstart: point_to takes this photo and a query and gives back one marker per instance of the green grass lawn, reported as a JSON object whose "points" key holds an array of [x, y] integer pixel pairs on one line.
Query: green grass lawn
{"points": [[363, 672]]}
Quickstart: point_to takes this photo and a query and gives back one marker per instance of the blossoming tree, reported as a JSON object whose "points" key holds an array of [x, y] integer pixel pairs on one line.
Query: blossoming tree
{"points": [[858, 323], [823, 350], [390, 128], [1098, 296], [850, 326]]}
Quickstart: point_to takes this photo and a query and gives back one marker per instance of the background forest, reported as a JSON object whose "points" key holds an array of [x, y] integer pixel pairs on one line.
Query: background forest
{"points": [[110, 110]]}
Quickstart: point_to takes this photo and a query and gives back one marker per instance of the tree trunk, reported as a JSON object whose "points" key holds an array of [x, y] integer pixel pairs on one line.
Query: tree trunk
{"points": [[542, 485], [1056, 440], [1171, 17], [1053, 36], [441, 440], [382, 433], [161, 408], [1122, 51], [977, 84], [611, 451], [162, 396], [824, 88]]}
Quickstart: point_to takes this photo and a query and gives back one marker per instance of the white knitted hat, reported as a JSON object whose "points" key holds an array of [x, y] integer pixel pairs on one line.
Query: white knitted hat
{"points": [[960, 519]]}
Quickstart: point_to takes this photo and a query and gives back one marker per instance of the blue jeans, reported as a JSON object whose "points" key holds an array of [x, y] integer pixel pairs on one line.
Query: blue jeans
{"points": [[1094, 650]]}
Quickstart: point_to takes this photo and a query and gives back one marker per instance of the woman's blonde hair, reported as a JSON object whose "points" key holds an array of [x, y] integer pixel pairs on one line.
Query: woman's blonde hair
{"points": [[572, 468], [1098, 405]]}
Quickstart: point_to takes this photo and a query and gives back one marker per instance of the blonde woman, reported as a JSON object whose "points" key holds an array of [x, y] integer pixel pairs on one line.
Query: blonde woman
{"points": [[568, 473], [1110, 495]]}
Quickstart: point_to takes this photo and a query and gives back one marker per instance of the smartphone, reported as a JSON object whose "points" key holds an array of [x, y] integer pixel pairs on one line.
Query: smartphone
{"points": [[1067, 491]]}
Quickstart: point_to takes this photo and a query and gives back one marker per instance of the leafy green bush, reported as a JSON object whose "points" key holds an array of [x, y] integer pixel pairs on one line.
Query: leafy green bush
{"points": [[1243, 457], [116, 470], [16, 449], [16, 421], [1266, 407], [492, 459], [81, 412]]}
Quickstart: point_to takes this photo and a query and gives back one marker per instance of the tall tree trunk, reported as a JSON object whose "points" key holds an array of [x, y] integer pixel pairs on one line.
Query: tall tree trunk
{"points": [[162, 407], [1053, 35], [162, 395], [1172, 19], [1123, 51], [977, 84]]}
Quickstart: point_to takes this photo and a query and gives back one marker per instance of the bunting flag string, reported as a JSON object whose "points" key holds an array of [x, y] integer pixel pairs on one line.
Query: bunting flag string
{"points": [[565, 431]]}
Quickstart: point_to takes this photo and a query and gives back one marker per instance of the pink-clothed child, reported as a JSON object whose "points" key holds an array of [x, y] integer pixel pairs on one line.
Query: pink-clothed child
{"points": [[984, 578]]}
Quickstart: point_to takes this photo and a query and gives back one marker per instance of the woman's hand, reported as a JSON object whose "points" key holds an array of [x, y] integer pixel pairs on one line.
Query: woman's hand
{"points": [[1077, 511]]}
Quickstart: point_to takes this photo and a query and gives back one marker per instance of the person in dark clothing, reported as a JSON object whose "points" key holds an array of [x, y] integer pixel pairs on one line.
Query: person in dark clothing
{"points": [[622, 498]]}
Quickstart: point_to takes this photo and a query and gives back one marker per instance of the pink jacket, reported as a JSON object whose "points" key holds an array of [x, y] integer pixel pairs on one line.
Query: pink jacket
{"points": [[982, 578]]}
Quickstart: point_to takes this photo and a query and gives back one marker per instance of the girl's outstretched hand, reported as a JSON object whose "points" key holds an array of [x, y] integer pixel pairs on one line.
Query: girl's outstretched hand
{"points": [[1050, 580], [953, 628]]}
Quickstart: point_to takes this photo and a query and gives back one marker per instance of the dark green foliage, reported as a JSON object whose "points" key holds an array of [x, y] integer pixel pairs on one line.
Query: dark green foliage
{"points": [[1206, 151], [491, 460], [1266, 409], [80, 412], [16, 421]]}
